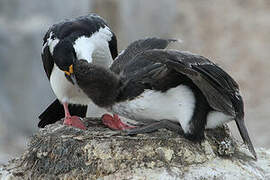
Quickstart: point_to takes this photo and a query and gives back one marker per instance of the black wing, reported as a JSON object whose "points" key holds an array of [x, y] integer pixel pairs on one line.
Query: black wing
{"points": [[141, 74], [220, 90], [136, 48]]}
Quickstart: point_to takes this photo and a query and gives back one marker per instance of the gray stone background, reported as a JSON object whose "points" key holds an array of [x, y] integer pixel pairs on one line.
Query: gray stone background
{"points": [[234, 33]]}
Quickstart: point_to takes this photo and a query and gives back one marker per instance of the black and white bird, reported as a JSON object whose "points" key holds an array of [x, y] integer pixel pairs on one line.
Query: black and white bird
{"points": [[86, 37], [165, 88]]}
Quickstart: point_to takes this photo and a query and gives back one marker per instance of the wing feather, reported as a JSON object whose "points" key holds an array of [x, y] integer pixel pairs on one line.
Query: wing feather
{"points": [[136, 48], [219, 88]]}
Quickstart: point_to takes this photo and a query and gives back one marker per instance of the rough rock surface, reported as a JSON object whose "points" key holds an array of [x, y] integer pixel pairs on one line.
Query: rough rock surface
{"points": [[62, 152]]}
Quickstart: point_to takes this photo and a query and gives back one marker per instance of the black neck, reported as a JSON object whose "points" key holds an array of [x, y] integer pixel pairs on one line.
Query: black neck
{"points": [[100, 84]]}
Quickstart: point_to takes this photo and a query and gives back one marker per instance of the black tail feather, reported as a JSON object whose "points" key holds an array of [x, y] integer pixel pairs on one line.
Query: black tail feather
{"points": [[55, 112]]}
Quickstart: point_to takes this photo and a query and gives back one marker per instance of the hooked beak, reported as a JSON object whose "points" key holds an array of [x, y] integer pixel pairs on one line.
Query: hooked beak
{"points": [[70, 70]]}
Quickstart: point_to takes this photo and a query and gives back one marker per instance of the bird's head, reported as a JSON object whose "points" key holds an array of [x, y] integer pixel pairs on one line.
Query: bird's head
{"points": [[64, 57]]}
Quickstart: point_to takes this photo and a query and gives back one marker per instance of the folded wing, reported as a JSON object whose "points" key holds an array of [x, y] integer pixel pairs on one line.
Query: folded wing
{"points": [[221, 91], [135, 48]]}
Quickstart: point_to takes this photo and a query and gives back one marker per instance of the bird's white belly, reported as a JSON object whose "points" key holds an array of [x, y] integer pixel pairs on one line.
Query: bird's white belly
{"points": [[64, 90], [176, 104]]}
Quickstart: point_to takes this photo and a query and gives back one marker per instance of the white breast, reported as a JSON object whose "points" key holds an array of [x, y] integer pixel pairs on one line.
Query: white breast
{"points": [[176, 104], [65, 90]]}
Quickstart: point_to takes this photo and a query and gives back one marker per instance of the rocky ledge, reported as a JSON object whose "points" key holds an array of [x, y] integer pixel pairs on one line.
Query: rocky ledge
{"points": [[62, 152]]}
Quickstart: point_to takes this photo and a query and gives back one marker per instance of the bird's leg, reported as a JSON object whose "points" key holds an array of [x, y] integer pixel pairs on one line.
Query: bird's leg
{"points": [[114, 122], [74, 121], [167, 124]]}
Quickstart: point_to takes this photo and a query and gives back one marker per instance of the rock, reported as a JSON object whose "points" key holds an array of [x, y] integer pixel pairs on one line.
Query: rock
{"points": [[59, 151]]}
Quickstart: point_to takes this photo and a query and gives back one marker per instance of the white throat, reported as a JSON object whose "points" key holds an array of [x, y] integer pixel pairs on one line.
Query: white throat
{"points": [[64, 90]]}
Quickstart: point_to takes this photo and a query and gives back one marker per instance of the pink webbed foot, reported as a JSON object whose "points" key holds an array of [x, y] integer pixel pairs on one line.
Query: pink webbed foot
{"points": [[114, 122], [74, 121]]}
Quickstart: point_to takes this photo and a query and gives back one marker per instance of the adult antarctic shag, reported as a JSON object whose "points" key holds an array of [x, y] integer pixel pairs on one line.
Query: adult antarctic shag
{"points": [[86, 37]]}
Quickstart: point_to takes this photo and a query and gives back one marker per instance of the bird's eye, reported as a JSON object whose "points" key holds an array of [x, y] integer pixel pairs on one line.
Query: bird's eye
{"points": [[53, 37]]}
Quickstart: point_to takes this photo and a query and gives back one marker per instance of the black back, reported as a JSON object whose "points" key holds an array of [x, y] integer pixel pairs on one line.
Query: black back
{"points": [[136, 48]]}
